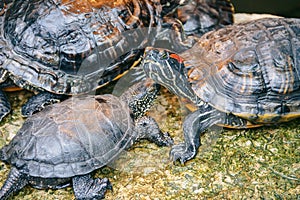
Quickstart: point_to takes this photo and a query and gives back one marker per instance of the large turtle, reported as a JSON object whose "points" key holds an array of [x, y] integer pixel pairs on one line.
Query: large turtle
{"points": [[65, 142], [66, 47], [241, 76]]}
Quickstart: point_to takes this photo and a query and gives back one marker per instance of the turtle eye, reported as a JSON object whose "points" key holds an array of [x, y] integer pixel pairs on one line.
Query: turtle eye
{"points": [[163, 55]]}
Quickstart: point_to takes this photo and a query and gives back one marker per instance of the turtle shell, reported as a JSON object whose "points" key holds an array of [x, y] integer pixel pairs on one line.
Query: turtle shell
{"points": [[72, 47], [251, 70], [71, 138]]}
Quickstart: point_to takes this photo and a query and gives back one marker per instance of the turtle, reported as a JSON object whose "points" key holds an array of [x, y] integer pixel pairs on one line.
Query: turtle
{"points": [[65, 142], [241, 76], [193, 20], [201, 16], [59, 48]]}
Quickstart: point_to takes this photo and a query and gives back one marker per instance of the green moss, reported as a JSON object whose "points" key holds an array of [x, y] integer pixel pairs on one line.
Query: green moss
{"points": [[261, 163], [231, 164]]}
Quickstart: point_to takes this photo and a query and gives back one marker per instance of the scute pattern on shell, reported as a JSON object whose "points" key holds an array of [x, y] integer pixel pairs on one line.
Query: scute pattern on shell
{"points": [[72, 47], [238, 73], [72, 139]]}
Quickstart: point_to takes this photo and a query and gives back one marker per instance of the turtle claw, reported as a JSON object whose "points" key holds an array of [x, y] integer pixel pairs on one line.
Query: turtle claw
{"points": [[99, 187], [181, 153], [88, 188]]}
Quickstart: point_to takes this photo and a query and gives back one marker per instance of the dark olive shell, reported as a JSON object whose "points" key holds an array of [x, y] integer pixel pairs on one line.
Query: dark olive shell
{"points": [[74, 137], [251, 70]]}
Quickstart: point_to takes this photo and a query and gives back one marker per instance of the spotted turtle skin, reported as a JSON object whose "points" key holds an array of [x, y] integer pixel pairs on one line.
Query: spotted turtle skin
{"points": [[65, 142], [240, 76]]}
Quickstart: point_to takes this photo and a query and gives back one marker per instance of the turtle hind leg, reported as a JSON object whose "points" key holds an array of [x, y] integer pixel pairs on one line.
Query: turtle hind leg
{"points": [[15, 181], [85, 187], [4, 105], [39, 101], [194, 125]]}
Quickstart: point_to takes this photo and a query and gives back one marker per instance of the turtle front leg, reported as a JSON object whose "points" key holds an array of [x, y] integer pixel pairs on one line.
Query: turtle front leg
{"points": [[194, 125], [161, 139], [4, 105], [87, 188], [15, 181], [147, 128], [39, 101]]}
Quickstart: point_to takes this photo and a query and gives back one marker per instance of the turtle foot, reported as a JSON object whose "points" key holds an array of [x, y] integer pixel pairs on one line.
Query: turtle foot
{"points": [[91, 189], [182, 153], [98, 188], [164, 139]]}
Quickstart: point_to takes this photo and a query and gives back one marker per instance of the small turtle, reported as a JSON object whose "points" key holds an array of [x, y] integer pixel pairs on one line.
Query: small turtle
{"points": [[62, 47], [241, 76], [65, 142]]}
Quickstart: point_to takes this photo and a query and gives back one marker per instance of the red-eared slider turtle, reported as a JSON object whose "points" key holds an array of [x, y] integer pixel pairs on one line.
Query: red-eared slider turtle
{"points": [[240, 76], [68, 47], [65, 142]]}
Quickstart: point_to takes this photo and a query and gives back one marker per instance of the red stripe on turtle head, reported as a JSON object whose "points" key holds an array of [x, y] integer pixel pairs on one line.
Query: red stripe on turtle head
{"points": [[176, 57]]}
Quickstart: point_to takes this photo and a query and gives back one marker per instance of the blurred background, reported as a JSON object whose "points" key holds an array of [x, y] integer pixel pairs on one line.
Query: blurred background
{"points": [[286, 8]]}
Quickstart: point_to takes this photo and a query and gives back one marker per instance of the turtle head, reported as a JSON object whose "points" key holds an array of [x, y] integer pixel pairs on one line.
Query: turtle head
{"points": [[147, 128], [168, 69]]}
